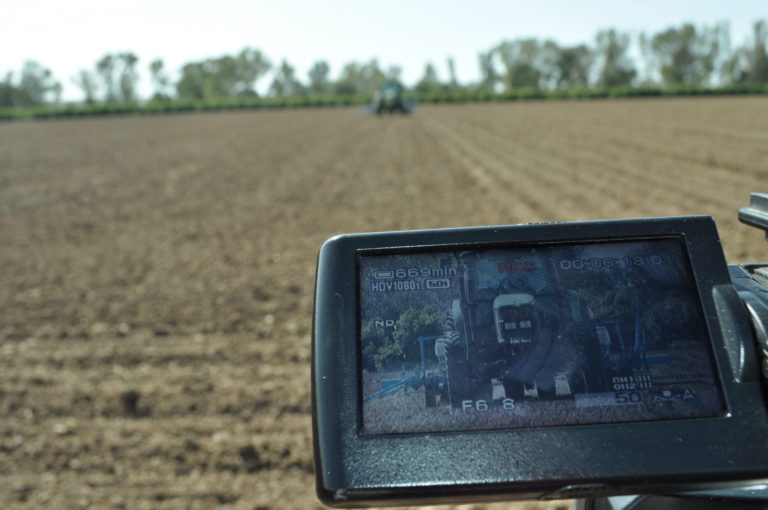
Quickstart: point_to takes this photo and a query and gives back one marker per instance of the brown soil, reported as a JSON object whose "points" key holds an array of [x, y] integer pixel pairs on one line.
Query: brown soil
{"points": [[156, 273]]}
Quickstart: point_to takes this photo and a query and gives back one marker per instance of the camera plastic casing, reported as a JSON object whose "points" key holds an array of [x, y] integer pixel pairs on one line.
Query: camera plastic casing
{"points": [[572, 461]]}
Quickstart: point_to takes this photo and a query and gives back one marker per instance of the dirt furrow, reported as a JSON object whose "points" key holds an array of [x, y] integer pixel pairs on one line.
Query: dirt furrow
{"points": [[609, 172], [578, 191], [600, 186], [156, 273], [515, 189]]}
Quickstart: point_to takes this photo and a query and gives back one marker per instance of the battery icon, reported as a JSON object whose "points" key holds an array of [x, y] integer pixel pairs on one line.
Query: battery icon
{"points": [[384, 275]]}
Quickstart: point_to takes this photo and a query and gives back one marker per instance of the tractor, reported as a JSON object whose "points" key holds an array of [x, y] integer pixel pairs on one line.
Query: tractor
{"points": [[389, 98], [510, 338]]}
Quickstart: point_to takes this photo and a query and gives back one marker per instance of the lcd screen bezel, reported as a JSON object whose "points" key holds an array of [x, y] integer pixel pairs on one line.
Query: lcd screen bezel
{"points": [[454, 467], [693, 289]]}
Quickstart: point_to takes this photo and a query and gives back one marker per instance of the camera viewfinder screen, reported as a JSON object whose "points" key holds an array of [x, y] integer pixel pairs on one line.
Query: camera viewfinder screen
{"points": [[533, 336]]}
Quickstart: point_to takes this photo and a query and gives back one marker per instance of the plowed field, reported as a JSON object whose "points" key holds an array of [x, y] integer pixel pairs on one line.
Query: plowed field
{"points": [[156, 273]]}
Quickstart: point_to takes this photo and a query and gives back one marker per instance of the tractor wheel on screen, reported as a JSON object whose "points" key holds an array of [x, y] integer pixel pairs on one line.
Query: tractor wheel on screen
{"points": [[514, 389], [593, 378], [458, 374]]}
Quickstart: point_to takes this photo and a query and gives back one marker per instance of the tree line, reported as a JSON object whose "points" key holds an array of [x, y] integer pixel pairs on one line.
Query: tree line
{"points": [[678, 56]]}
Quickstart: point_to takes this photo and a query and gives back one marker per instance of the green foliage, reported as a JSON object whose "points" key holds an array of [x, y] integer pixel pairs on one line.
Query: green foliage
{"points": [[128, 77], [453, 81], [319, 79], [748, 65], [387, 355], [160, 106], [684, 55], [679, 61], [105, 68], [285, 84], [35, 87], [360, 79], [160, 80], [250, 65], [616, 67], [115, 74], [429, 83], [573, 66], [393, 73], [529, 63], [226, 76], [386, 348], [88, 83], [414, 323], [375, 339], [489, 77]]}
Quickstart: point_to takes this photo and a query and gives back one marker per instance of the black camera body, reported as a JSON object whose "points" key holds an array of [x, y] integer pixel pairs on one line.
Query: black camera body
{"points": [[541, 361]]}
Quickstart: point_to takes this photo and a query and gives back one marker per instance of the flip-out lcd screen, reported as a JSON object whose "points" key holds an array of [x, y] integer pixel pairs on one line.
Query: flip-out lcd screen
{"points": [[532, 336]]}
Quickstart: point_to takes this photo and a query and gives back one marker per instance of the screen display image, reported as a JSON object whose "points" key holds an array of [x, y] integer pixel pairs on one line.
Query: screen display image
{"points": [[532, 336]]}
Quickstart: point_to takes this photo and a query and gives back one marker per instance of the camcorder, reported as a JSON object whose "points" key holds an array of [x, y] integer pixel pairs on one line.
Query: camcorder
{"points": [[539, 361]]}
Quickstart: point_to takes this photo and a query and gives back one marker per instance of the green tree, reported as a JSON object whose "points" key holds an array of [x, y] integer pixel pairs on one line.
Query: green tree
{"points": [[285, 83], [385, 348], [128, 77], [348, 83], [376, 338], [105, 68], [616, 67], [160, 80], [684, 55], [37, 85], [360, 79], [415, 323], [574, 65], [489, 76], [393, 73], [89, 84], [453, 82], [518, 58], [429, 82], [250, 65], [118, 77], [319, 78], [225, 76], [8, 92], [191, 84], [371, 77], [529, 63], [758, 56], [56, 91], [220, 77], [749, 64]]}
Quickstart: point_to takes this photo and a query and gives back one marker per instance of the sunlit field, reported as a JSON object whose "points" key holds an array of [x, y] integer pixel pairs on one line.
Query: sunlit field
{"points": [[156, 273]]}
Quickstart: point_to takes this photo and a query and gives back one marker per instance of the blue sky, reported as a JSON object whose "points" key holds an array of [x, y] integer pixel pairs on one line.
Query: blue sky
{"points": [[72, 35]]}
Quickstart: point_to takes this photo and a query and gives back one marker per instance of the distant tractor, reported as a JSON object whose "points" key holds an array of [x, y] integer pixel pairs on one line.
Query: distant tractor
{"points": [[389, 98]]}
